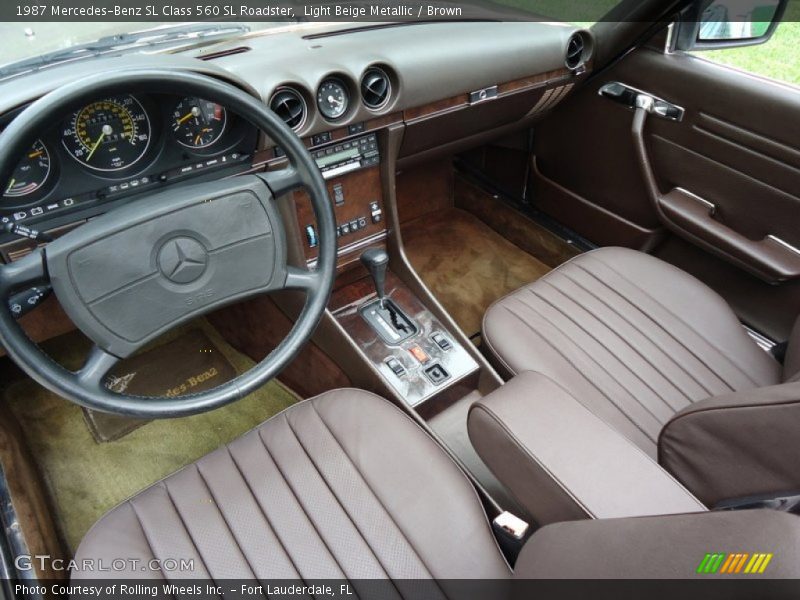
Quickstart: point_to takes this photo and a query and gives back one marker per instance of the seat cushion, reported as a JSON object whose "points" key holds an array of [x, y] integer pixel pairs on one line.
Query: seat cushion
{"points": [[343, 486], [632, 337]]}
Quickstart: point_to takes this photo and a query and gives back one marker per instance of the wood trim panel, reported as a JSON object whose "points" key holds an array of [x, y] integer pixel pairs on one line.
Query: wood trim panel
{"points": [[360, 188], [426, 110], [503, 89]]}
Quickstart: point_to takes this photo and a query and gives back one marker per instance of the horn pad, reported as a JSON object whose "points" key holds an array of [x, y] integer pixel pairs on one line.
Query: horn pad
{"points": [[134, 273]]}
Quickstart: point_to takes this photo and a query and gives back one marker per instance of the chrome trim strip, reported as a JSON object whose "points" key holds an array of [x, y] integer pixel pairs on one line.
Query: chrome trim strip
{"points": [[657, 101], [336, 171], [707, 203], [783, 243], [763, 341]]}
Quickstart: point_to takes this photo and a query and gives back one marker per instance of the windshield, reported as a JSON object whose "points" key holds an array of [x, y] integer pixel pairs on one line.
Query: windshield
{"points": [[578, 12], [26, 40]]}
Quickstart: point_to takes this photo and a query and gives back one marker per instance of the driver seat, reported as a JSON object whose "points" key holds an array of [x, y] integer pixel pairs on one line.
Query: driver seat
{"points": [[342, 486]]}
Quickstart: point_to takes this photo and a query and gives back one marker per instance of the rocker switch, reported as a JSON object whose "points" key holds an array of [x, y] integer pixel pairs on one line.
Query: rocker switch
{"points": [[396, 367]]}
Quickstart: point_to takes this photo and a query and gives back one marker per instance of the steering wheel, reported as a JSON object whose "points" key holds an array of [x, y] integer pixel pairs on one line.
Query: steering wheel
{"points": [[134, 273]]}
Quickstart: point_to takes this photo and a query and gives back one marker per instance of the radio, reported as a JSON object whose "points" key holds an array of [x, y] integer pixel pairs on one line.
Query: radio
{"points": [[338, 159]]}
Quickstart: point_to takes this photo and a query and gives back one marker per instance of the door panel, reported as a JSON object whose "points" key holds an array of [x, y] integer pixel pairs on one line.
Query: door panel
{"points": [[737, 147]]}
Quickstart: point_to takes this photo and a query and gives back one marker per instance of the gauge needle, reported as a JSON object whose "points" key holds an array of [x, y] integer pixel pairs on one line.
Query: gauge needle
{"points": [[334, 100], [198, 139], [11, 184], [96, 144], [195, 112], [35, 154]]}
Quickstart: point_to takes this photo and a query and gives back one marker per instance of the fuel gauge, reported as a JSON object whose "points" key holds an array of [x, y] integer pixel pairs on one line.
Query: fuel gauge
{"points": [[198, 123], [31, 172]]}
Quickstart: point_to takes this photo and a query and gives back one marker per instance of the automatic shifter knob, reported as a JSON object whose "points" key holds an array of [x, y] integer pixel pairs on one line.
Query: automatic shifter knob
{"points": [[376, 260]]}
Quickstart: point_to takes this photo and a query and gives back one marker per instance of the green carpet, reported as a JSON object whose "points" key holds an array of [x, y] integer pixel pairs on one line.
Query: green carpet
{"points": [[85, 479]]}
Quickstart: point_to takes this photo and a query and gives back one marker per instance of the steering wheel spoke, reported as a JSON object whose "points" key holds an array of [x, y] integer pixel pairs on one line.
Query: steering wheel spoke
{"points": [[98, 363], [24, 273], [301, 279], [282, 181]]}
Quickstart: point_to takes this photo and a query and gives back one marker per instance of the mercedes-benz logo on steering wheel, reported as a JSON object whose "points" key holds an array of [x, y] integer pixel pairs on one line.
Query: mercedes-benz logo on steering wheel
{"points": [[182, 260]]}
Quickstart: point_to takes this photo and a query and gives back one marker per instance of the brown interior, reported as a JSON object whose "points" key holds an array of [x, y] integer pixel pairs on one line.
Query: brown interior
{"points": [[476, 199]]}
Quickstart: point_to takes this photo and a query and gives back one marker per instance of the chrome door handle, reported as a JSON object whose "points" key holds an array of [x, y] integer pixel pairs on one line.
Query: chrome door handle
{"points": [[632, 98]]}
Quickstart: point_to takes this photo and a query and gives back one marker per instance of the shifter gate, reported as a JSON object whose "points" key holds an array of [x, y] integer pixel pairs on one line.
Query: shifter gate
{"points": [[390, 323]]}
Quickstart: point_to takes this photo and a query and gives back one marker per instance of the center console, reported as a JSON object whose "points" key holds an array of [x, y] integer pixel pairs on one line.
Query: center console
{"points": [[352, 170], [413, 351], [563, 462], [402, 349]]}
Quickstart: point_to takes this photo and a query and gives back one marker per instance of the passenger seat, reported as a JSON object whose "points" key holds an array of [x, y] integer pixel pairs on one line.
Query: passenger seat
{"points": [[663, 359]]}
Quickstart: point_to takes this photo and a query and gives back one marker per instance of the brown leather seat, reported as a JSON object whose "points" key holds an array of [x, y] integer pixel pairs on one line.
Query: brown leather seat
{"points": [[646, 346], [343, 486], [346, 488]]}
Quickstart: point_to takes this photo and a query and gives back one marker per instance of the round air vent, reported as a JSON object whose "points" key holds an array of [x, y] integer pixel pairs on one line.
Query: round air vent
{"points": [[575, 50], [375, 88], [289, 105]]}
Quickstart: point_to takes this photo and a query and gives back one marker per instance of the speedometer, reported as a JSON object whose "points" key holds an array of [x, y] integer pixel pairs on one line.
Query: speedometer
{"points": [[108, 135]]}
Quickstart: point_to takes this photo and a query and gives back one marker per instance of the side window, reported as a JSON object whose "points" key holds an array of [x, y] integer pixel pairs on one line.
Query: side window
{"points": [[761, 37]]}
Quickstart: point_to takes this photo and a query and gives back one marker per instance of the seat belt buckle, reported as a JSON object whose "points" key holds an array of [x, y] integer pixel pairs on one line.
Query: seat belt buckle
{"points": [[510, 525], [511, 533]]}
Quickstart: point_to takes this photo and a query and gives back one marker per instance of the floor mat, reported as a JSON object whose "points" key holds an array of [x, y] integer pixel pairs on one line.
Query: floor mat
{"points": [[188, 364], [466, 264], [85, 479]]}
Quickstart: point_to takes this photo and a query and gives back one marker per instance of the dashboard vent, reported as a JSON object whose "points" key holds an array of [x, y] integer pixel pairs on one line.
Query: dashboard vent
{"points": [[575, 50], [375, 88], [222, 53], [289, 105]]}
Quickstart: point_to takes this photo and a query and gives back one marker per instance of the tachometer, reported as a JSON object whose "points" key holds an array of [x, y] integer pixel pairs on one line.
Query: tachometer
{"points": [[31, 173], [198, 123], [108, 135]]}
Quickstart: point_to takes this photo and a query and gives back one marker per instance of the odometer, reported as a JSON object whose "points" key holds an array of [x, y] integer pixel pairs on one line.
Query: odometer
{"points": [[31, 172], [108, 135]]}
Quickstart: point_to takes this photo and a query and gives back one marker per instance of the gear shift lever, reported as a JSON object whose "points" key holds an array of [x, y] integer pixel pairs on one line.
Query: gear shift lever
{"points": [[376, 260]]}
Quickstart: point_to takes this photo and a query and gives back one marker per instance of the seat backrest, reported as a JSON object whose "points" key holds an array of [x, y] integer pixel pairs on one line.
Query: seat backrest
{"points": [[791, 364]]}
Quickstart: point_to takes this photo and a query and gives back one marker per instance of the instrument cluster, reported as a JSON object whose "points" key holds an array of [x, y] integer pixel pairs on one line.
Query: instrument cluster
{"points": [[117, 144]]}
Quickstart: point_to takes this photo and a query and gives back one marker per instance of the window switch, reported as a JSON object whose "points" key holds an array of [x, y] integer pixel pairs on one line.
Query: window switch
{"points": [[396, 366], [441, 341]]}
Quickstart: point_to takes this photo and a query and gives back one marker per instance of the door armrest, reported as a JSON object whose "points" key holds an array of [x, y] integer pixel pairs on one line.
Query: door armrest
{"points": [[770, 258]]}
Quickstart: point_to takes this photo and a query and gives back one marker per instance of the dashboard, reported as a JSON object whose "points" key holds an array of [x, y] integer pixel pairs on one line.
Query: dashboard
{"points": [[344, 92], [116, 147]]}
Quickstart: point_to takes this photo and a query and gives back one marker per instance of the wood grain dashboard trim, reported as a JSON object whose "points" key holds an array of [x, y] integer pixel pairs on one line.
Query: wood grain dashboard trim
{"points": [[503, 89]]}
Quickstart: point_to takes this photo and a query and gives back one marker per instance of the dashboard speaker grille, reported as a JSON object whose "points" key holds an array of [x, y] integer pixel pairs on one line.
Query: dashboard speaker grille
{"points": [[289, 106], [375, 88]]}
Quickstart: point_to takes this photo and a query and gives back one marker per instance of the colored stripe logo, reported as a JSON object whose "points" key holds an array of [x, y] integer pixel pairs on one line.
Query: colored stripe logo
{"points": [[734, 563]]}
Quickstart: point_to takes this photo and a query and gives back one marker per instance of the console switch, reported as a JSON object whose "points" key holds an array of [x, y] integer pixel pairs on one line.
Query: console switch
{"points": [[420, 354], [436, 374], [311, 236], [396, 366], [441, 341]]}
